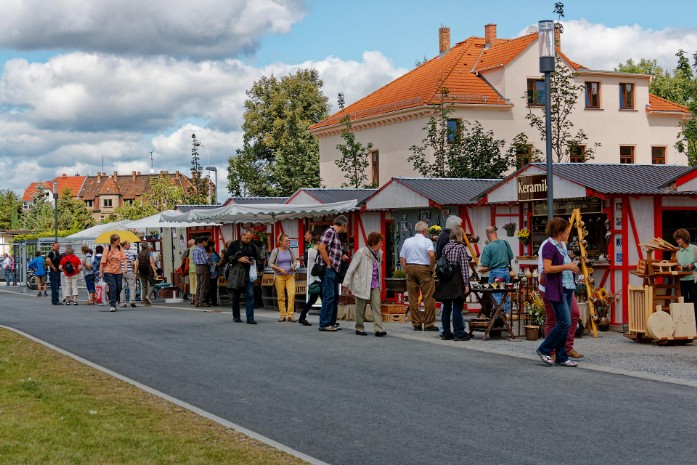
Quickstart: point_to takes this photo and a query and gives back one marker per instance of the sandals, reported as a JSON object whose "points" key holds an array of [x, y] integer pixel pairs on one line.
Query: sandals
{"points": [[545, 358], [568, 363]]}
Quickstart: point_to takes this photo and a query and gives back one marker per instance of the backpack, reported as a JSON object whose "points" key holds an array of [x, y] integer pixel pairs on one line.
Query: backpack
{"points": [[444, 269], [96, 261], [68, 267], [144, 264], [183, 270]]}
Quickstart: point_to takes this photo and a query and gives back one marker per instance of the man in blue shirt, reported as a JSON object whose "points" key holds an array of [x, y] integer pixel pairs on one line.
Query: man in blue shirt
{"points": [[496, 258], [202, 262], [38, 266]]}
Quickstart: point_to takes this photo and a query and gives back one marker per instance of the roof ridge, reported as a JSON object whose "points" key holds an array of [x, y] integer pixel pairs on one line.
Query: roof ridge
{"points": [[442, 79]]}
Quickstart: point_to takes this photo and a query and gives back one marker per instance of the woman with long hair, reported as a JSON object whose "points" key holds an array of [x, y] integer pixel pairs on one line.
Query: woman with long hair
{"points": [[111, 269], [282, 261], [452, 291]]}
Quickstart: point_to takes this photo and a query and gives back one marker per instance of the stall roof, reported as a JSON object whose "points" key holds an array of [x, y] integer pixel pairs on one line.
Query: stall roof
{"points": [[331, 195], [262, 213], [94, 231], [156, 221], [255, 200]]}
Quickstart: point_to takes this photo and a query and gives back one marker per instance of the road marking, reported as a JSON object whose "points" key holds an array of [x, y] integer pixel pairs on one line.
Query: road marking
{"points": [[181, 403]]}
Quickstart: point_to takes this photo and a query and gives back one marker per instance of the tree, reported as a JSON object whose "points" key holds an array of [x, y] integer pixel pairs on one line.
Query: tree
{"points": [[564, 95], [198, 191], [453, 148], [279, 155], [10, 210], [523, 151], [354, 155], [73, 214]]}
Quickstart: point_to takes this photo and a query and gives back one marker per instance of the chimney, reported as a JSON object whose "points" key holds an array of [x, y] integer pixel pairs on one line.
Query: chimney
{"points": [[443, 39], [133, 175], [99, 176], [557, 35], [489, 35], [176, 174], [162, 173], [116, 175]]}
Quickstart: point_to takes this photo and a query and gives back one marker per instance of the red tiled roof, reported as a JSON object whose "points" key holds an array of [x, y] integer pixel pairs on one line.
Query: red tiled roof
{"points": [[74, 183], [502, 52], [657, 103]]}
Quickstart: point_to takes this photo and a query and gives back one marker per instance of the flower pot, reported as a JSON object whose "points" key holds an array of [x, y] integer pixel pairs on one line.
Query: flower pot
{"points": [[531, 332], [510, 232], [396, 284], [524, 241]]}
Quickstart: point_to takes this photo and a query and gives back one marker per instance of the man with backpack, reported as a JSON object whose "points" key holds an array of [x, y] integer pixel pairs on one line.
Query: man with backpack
{"points": [[38, 266]]}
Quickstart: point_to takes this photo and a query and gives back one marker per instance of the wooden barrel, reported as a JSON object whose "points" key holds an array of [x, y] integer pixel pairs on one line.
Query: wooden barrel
{"points": [[660, 325]]}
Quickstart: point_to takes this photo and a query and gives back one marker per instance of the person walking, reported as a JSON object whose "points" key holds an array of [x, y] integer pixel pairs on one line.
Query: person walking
{"points": [[146, 272], [212, 296], [496, 259], [6, 267], [312, 255], [202, 263], [54, 274], [129, 276], [241, 256], [38, 266], [111, 270], [363, 278], [452, 291], [71, 266], [193, 284], [88, 272], [559, 289], [418, 259], [331, 253], [282, 262]]}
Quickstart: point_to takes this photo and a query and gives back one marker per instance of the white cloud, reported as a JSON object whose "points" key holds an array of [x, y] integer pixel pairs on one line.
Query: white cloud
{"points": [[76, 110], [211, 28], [603, 48]]}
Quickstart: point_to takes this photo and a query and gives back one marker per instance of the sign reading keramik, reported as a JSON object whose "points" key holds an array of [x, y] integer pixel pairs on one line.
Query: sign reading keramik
{"points": [[532, 187]]}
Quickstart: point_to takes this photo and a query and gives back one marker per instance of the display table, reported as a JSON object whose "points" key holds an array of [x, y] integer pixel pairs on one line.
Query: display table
{"points": [[484, 322]]}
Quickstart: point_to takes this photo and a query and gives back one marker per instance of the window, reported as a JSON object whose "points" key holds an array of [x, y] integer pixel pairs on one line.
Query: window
{"points": [[128, 202], [658, 155], [627, 154], [626, 96], [89, 203], [592, 95], [106, 203], [523, 155], [577, 153], [536, 92], [454, 129], [375, 168]]}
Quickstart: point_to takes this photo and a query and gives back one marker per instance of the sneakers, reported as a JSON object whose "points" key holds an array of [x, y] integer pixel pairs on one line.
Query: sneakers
{"points": [[112, 309], [465, 337], [38, 295], [123, 305], [133, 304], [327, 328], [568, 363], [546, 358], [75, 302]]}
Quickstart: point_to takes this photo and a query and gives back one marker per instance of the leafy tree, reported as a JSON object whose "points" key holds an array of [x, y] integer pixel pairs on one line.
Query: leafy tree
{"points": [[461, 150], [523, 151], [197, 193], [279, 154], [564, 95], [10, 209], [73, 214], [135, 210], [354, 155], [164, 193]]}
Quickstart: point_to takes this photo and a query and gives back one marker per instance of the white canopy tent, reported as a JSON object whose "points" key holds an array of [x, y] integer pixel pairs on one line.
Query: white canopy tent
{"points": [[258, 213], [156, 221], [95, 231]]}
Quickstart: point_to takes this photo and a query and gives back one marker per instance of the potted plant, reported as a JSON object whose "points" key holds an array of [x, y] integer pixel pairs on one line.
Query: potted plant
{"points": [[602, 302], [524, 236], [398, 281], [434, 231], [510, 228], [536, 316]]}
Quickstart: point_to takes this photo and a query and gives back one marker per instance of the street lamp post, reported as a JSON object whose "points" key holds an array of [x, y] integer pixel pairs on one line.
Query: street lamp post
{"points": [[546, 44], [215, 170], [55, 210], [209, 174]]}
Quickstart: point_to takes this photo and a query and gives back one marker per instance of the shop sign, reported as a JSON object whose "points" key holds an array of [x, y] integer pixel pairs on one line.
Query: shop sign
{"points": [[533, 187], [566, 207]]}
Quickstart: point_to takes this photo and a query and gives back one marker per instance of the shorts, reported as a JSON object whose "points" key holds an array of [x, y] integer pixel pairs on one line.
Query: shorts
{"points": [[41, 280]]}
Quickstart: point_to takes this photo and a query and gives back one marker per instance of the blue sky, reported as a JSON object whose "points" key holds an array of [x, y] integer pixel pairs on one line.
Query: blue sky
{"points": [[120, 78]]}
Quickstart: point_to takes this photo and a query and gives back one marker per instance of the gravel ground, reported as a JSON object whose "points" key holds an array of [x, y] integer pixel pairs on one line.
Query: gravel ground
{"points": [[609, 352]]}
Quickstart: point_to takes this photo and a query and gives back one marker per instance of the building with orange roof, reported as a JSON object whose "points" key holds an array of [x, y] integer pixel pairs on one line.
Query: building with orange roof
{"points": [[488, 80], [74, 183]]}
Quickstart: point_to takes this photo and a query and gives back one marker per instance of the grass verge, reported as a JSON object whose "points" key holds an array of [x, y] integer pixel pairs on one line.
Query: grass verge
{"points": [[54, 410]]}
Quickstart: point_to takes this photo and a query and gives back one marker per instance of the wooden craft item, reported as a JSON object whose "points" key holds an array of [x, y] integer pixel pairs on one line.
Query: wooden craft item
{"points": [[660, 325], [683, 320]]}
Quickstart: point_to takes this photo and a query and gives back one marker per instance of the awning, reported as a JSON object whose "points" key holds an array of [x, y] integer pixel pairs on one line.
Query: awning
{"points": [[156, 221], [94, 231], [259, 213]]}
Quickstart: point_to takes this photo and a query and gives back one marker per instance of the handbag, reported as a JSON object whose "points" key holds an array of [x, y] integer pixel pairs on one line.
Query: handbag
{"points": [[236, 276], [317, 269], [315, 288]]}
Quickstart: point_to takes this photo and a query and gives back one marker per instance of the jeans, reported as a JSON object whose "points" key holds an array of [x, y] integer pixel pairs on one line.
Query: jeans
{"points": [[455, 307], [330, 302], [89, 282], [249, 301], [556, 339], [8, 276], [551, 320], [113, 282], [55, 277], [497, 296]]}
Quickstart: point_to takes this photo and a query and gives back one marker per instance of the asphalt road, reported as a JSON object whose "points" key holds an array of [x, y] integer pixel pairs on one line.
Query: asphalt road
{"points": [[346, 399]]}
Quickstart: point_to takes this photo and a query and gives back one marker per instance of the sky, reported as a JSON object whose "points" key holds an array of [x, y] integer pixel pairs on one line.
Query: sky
{"points": [[96, 85]]}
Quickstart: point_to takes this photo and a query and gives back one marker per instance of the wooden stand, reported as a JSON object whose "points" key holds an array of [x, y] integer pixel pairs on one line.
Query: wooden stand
{"points": [[587, 272]]}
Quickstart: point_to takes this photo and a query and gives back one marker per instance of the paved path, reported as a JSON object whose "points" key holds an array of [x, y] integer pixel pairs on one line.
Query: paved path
{"points": [[364, 400]]}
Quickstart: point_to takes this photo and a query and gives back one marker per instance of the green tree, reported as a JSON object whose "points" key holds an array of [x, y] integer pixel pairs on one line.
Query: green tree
{"points": [[198, 192], [10, 210], [564, 95], [440, 145], [354, 155], [279, 155], [136, 210], [73, 214]]}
